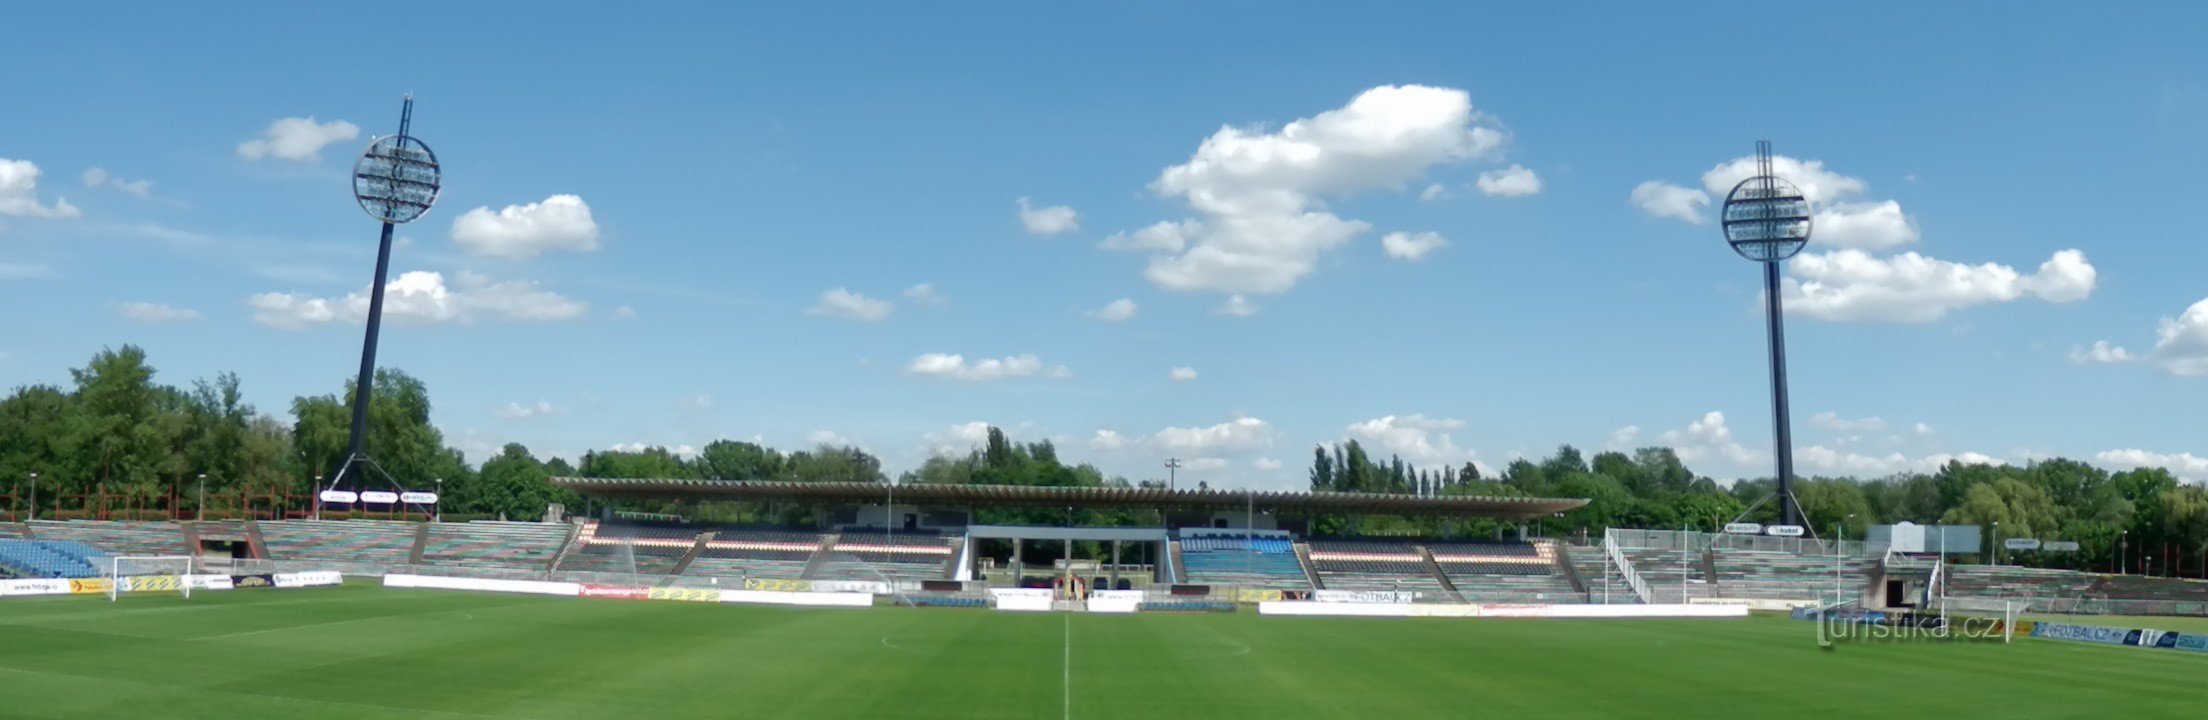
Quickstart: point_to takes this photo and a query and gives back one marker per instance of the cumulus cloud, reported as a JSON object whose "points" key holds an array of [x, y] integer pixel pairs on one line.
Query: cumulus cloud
{"points": [[1832, 421], [2101, 353], [1709, 439], [957, 439], [1433, 192], [1411, 246], [1665, 200], [519, 411], [1513, 181], [1864, 226], [1236, 306], [1241, 434], [842, 303], [924, 294], [956, 367], [829, 438], [1261, 225], [297, 138], [1265, 463], [560, 222], [1855, 286], [1052, 220], [97, 178], [1622, 438], [19, 193], [1420, 440], [1109, 440], [1181, 374], [2182, 344], [1829, 461], [1120, 310], [423, 298], [147, 312], [2186, 465]]}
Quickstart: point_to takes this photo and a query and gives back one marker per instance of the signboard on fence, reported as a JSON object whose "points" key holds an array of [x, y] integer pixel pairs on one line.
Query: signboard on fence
{"points": [[1783, 530], [1744, 528], [2021, 543], [2059, 546]]}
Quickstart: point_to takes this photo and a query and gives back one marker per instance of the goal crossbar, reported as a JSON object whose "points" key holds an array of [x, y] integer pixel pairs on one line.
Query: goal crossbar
{"points": [[134, 573]]}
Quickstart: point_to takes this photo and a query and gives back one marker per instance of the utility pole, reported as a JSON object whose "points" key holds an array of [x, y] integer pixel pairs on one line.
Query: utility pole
{"points": [[1172, 473]]}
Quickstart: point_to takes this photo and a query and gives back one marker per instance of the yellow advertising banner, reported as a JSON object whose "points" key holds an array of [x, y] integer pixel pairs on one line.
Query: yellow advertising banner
{"points": [[685, 594], [778, 585], [95, 586], [153, 583]]}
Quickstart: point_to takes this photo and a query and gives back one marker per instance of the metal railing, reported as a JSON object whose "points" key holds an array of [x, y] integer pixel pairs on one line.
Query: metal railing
{"points": [[1692, 540], [1624, 566]]}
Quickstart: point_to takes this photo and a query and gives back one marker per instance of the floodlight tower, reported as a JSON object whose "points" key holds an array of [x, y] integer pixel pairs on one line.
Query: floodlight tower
{"points": [[396, 180], [1767, 219]]}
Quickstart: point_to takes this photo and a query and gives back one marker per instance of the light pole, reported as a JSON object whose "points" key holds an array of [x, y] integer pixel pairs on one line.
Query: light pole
{"points": [[437, 509], [201, 513], [1997, 542], [1172, 473], [34, 496], [1767, 220], [2123, 544]]}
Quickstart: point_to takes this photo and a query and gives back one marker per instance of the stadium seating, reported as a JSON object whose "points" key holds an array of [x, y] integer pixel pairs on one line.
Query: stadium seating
{"points": [[1604, 583], [1372, 565], [2135, 587], [9, 530], [1504, 572], [116, 538], [1769, 575], [494, 545], [365, 542], [769, 554], [50, 559], [871, 554], [2002, 581], [1260, 562]]}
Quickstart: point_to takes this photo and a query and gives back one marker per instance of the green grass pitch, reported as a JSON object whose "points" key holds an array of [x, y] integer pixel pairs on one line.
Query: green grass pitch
{"points": [[366, 652]]}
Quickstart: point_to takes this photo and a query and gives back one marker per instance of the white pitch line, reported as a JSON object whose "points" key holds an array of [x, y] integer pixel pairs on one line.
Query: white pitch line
{"points": [[1069, 667]]}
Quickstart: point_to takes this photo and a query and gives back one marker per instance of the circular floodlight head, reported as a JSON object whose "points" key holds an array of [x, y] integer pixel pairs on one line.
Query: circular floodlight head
{"points": [[1766, 219], [396, 179]]}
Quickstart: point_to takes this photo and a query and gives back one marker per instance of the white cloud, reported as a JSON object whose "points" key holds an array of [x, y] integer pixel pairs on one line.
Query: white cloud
{"points": [[957, 439], [1665, 200], [829, 438], [2101, 353], [1261, 225], [2182, 345], [1205, 464], [1622, 438], [1236, 306], [1818, 185], [1832, 421], [26, 271], [297, 138], [1854, 286], [696, 403], [1709, 438], [518, 411], [842, 303], [1238, 435], [561, 222], [1923, 430], [1120, 310], [955, 367], [1265, 463], [1864, 226], [19, 193], [1433, 192], [1108, 441], [1420, 440], [1181, 374], [924, 294], [97, 177], [423, 298], [2185, 465], [1052, 220], [684, 451], [624, 313], [1513, 181], [1410, 246], [147, 312]]}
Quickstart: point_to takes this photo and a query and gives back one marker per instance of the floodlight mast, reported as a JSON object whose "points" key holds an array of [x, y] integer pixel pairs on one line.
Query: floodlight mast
{"points": [[396, 181], [1767, 220]]}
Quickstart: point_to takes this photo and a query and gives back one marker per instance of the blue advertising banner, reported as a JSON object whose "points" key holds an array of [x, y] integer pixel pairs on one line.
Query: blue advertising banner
{"points": [[2083, 633]]}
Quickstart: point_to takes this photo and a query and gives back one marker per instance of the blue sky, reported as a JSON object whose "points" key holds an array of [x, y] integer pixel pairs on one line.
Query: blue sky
{"points": [[691, 222]]}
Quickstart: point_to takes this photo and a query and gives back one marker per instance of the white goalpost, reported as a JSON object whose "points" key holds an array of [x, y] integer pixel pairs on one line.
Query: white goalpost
{"points": [[150, 573]]}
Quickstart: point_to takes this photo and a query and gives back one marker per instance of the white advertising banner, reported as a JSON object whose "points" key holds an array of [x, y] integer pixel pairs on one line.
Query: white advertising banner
{"points": [[528, 587], [309, 579], [209, 582], [870, 587], [1115, 601], [379, 497], [14, 588], [1022, 599], [418, 498], [1297, 607], [812, 599], [1361, 596], [340, 496]]}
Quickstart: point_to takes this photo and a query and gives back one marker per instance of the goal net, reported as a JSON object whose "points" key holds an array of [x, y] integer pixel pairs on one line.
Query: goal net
{"points": [[154, 573]]}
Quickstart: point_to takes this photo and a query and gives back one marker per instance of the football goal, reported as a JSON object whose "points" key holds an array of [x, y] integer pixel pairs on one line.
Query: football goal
{"points": [[150, 573]]}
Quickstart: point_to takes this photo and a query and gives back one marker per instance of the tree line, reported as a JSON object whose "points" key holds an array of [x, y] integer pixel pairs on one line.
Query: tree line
{"points": [[140, 447]]}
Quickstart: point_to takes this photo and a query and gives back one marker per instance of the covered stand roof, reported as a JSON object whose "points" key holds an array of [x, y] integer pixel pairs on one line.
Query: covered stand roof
{"points": [[858, 493]]}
